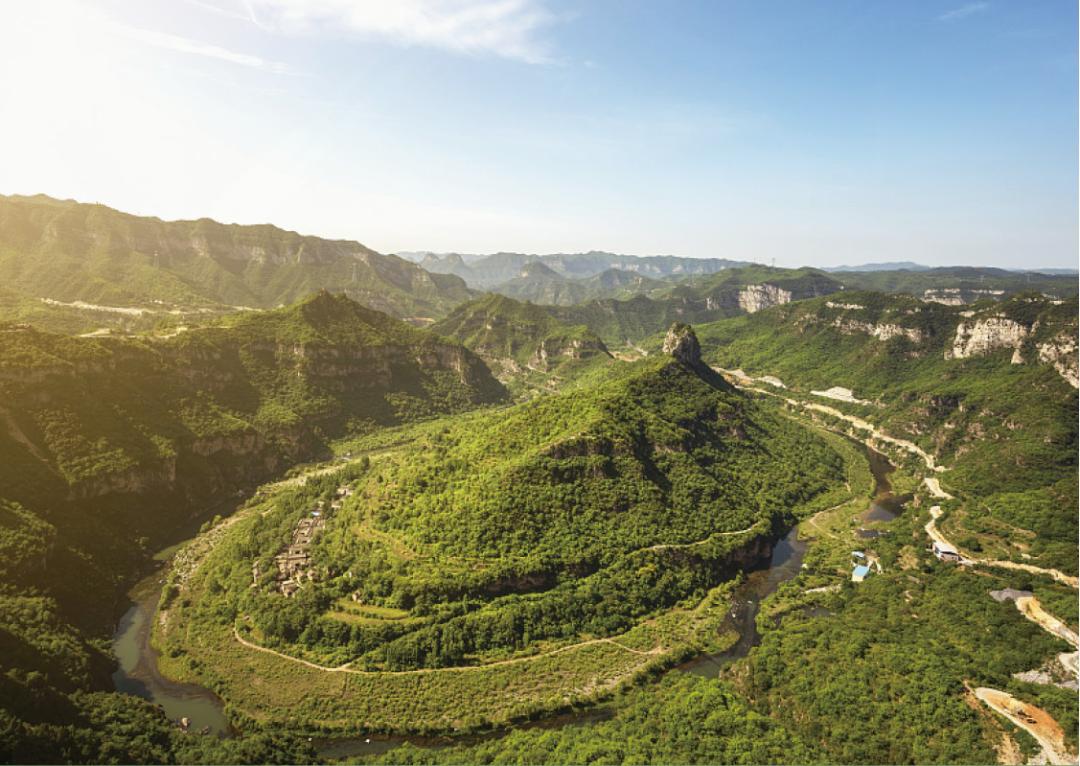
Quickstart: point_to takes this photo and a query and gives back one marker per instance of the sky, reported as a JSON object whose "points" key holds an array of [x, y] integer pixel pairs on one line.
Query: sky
{"points": [[805, 133]]}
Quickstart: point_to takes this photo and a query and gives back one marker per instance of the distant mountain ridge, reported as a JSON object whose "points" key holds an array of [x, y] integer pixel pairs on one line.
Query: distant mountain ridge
{"points": [[912, 266], [68, 251], [626, 321], [885, 266], [485, 271]]}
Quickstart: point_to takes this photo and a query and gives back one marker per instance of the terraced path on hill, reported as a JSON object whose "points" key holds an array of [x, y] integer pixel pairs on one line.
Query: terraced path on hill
{"points": [[656, 650]]}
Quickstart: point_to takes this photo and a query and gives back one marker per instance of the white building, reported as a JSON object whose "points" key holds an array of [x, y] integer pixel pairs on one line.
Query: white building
{"points": [[945, 552]]}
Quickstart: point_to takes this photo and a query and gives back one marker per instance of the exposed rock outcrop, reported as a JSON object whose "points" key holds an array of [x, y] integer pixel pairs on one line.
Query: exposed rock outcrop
{"points": [[1061, 352], [681, 343], [753, 298], [551, 349], [959, 296], [986, 335], [882, 331]]}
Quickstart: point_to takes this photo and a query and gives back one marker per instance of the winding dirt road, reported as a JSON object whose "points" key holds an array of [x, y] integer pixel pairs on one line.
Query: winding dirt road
{"points": [[933, 484], [656, 650], [1035, 721], [935, 534], [1030, 607]]}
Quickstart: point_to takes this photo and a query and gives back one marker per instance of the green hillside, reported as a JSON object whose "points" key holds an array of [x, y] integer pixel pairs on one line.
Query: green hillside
{"points": [[521, 340], [727, 293], [114, 441], [100, 412], [960, 284], [555, 290], [1006, 397], [68, 251], [606, 511], [109, 446]]}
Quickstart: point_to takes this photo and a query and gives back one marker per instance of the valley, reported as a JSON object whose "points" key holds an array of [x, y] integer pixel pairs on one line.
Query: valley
{"points": [[491, 529], [539, 383]]}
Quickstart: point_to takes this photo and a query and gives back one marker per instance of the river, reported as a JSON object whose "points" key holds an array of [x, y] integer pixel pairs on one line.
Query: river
{"points": [[138, 673], [138, 669], [785, 562]]}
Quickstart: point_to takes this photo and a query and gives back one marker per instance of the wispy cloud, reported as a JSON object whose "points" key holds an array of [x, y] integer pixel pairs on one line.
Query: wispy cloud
{"points": [[505, 28], [196, 48], [963, 11]]}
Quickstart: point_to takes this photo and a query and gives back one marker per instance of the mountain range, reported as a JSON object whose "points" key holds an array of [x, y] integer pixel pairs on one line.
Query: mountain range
{"points": [[484, 271], [69, 251]]}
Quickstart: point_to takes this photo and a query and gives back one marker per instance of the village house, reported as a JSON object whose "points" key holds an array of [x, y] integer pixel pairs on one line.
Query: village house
{"points": [[945, 552], [861, 565]]}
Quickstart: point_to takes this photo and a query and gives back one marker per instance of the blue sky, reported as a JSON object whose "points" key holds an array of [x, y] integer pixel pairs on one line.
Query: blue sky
{"points": [[806, 132]]}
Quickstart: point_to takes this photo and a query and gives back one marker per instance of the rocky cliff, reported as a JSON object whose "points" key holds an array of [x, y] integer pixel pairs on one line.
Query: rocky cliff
{"points": [[986, 334], [757, 297], [883, 331], [681, 342], [551, 350], [1061, 352], [959, 296]]}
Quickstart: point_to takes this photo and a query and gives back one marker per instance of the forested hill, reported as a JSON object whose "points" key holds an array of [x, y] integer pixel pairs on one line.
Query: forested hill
{"points": [[109, 445], [485, 271], [69, 251], [578, 514], [956, 285], [618, 322], [502, 329], [92, 428]]}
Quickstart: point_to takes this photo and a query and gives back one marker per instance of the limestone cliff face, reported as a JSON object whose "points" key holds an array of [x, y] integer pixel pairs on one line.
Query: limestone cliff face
{"points": [[959, 296], [881, 330], [1061, 352], [130, 481], [550, 350], [753, 298], [987, 334]]}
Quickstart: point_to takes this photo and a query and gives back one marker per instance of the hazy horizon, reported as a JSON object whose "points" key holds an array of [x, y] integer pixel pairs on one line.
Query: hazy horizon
{"points": [[792, 262], [943, 133]]}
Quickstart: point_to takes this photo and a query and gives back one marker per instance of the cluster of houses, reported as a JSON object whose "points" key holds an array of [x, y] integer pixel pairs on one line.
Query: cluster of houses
{"points": [[862, 564], [294, 562]]}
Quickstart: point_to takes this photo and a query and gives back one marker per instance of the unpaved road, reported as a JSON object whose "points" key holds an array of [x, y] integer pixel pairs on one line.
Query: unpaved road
{"points": [[1035, 721], [453, 669], [935, 534], [858, 423], [932, 483], [1030, 607], [678, 546]]}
